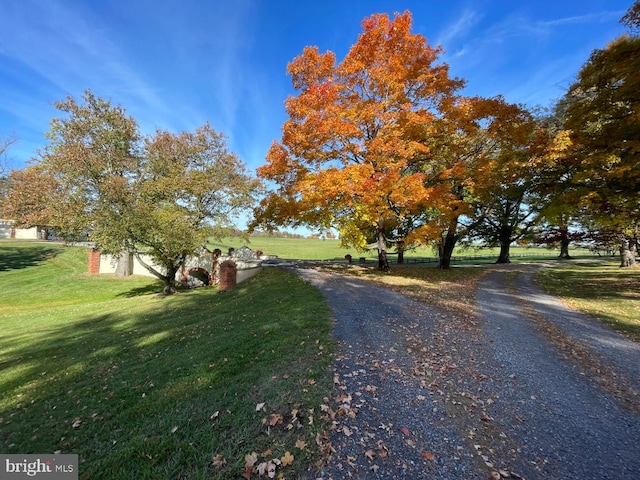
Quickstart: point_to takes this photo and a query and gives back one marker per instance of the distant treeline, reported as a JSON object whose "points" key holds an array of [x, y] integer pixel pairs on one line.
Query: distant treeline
{"points": [[276, 234], [279, 234]]}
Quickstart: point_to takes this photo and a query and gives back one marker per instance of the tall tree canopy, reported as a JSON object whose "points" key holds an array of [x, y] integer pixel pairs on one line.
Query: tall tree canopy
{"points": [[603, 112], [163, 195], [512, 185], [477, 152], [352, 150]]}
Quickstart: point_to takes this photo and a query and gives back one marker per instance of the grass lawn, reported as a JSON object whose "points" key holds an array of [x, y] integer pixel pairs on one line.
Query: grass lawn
{"points": [[601, 289], [146, 387]]}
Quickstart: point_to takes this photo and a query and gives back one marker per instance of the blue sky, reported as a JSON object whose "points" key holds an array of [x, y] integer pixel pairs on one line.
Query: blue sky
{"points": [[177, 64]]}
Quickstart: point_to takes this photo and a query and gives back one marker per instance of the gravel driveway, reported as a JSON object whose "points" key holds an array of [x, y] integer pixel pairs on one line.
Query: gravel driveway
{"points": [[519, 388]]}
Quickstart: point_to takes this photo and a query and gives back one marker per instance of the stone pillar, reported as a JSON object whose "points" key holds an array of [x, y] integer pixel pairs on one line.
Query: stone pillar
{"points": [[214, 266], [94, 261], [228, 272]]}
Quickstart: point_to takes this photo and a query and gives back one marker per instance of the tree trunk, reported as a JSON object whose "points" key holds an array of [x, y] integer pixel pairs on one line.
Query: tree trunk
{"points": [[214, 266], [627, 254], [446, 246], [564, 243], [169, 281], [400, 248], [505, 243], [383, 261], [124, 267], [445, 250]]}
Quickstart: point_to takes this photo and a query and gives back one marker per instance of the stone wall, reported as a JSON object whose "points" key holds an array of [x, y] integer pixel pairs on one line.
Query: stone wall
{"points": [[7, 230], [246, 260]]}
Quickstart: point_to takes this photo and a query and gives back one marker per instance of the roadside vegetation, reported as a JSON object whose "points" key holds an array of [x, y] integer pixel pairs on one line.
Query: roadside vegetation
{"points": [[601, 289]]}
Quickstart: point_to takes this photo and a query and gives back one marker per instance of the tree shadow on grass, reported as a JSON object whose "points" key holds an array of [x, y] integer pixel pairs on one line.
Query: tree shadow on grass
{"points": [[16, 257], [150, 289], [81, 388], [131, 391]]}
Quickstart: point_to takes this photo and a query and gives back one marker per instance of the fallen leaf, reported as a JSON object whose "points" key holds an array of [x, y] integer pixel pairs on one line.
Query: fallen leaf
{"points": [[371, 389], [275, 419], [250, 459], [287, 459], [76, 422], [271, 469], [247, 472], [218, 461], [301, 445], [370, 454], [428, 456], [346, 431], [174, 429], [259, 407], [405, 431]]}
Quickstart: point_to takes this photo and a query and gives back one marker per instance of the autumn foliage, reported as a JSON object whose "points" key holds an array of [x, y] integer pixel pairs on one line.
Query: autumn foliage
{"points": [[382, 145], [350, 154]]}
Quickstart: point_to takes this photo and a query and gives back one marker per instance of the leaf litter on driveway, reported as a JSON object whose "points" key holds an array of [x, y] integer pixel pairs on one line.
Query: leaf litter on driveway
{"points": [[420, 392]]}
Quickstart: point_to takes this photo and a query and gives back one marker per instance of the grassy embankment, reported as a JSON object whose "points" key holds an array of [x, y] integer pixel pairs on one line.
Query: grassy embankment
{"points": [[601, 289], [141, 386]]}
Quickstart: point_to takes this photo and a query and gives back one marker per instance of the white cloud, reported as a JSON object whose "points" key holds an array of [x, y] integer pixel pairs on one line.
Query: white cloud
{"points": [[459, 29]]}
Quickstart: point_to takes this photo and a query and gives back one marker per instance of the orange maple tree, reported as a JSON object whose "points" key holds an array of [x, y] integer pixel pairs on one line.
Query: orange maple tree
{"points": [[353, 149]]}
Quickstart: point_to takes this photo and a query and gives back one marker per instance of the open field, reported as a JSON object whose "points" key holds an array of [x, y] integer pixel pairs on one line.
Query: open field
{"points": [[146, 387], [329, 249]]}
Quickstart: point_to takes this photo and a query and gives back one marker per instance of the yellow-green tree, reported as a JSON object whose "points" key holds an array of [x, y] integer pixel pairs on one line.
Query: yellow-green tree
{"points": [[603, 114], [163, 195]]}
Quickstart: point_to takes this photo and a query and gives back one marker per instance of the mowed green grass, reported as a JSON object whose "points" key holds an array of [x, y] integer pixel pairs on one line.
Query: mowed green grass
{"points": [[601, 289], [143, 386]]}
